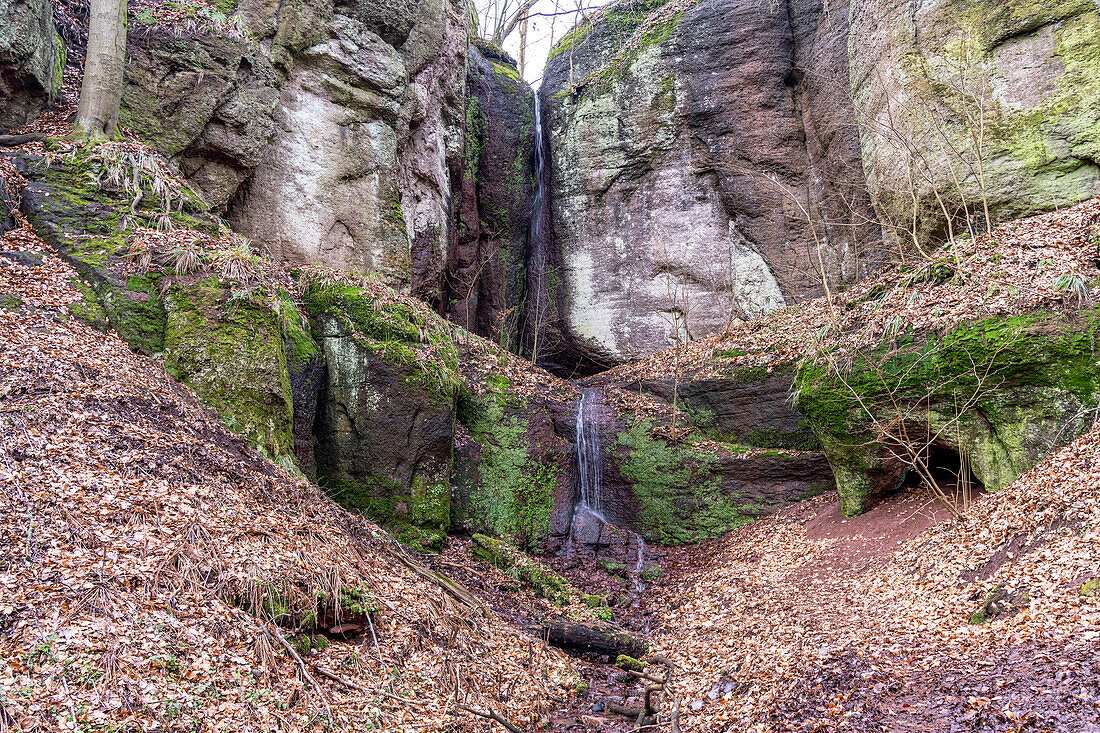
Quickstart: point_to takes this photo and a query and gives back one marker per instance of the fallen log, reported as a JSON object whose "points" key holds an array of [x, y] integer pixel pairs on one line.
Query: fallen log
{"points": [[594, 636]]}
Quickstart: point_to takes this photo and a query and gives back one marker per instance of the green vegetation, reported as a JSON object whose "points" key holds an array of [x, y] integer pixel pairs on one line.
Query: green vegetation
{"points": [[629, 664], [515, 491], [407, 336], [1002, 391], [679, 499], [545, 583], [228, 346], [418, 516]]}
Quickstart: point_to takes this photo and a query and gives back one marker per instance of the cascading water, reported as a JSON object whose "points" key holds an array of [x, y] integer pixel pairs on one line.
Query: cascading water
{"points": [[588, 456], [589, 506], [538, 204]]}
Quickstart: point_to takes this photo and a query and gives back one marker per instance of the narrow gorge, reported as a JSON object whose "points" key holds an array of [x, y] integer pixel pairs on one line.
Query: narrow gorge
{"points": [[739, 375]]}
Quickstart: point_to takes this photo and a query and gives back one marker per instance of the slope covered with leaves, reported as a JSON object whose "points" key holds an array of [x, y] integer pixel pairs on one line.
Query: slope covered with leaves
{"points": [[898, 619], [152, 563]]}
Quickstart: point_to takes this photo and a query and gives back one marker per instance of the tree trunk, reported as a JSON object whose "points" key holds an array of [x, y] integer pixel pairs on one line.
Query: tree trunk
{"points": [[101, 90], [595, 636]]}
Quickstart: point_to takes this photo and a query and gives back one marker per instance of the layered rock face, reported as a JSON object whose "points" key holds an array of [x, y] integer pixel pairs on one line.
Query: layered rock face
{"points": [[31, 61], [689, 163], [970, 106], [205, 102], [368, 138]]}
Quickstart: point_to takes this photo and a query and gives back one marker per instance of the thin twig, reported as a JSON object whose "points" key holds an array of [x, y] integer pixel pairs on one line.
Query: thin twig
{"points": [[302, 667], [490, 714]]}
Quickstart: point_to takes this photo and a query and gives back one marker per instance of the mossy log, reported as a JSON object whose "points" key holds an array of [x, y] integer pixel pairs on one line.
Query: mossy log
{"points": [[594, 636]]}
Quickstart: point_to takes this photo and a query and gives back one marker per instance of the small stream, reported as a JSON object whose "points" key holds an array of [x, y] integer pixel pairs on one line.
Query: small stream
{"points": [[588, 509]]}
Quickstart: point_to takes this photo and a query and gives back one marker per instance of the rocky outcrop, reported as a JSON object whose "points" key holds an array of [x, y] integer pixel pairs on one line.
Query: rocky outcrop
{"points": [[205, 102], [749, 406], [32, 58], [969, 105], [385, 425], [990, 398], [488, 268], [368, 139], [236, 347], [515, 472], [690, 142]]}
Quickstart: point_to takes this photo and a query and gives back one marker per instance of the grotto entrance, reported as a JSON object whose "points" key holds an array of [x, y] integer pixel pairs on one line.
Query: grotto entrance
{"points": [[948, 470]]}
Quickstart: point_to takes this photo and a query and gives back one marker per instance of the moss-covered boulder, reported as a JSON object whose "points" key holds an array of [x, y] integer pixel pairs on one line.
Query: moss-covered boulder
{"points": [[545, 583], [993, 396], [385, 425], [229, 347], [236, 344]]}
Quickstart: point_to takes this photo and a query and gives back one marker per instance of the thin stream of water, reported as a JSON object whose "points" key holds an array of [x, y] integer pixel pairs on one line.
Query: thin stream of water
{"points": [[590, 477]]}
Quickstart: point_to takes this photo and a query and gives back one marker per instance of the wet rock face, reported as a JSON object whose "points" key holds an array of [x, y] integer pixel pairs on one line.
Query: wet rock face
{"points": [[1017, 83], [31, 60], [487, 268], [680, 172]]}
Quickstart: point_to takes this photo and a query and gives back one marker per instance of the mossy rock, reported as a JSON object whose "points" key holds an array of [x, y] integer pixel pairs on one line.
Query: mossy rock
{"points": [[515, 484], [229, 348], [545, 583], [612, 567], [1023, 384], [679, 496], [629, 664]]}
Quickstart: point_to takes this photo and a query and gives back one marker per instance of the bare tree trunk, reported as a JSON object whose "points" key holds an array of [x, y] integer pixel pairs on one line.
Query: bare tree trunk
{"points": [[522, 47], [101, 90]]}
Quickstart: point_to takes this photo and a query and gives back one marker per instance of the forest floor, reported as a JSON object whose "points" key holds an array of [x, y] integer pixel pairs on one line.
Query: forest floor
{"points": [[810, 621], [141, 546]]}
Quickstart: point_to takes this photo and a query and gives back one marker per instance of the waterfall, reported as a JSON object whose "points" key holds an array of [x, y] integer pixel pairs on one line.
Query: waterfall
{"points": [[589, 505], [537, 205], [588, 456]]}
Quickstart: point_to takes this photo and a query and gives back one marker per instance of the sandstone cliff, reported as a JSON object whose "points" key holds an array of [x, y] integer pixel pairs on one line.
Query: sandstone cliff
{"points": [[696, 148]]}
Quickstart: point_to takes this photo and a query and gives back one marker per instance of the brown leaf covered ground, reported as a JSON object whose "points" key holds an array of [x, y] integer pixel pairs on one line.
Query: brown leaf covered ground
{"points": [[809, 621], [142, 545]]}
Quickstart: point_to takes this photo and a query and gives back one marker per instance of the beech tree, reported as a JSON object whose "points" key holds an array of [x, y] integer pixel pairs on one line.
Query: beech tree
{"points": [[101, 90]]}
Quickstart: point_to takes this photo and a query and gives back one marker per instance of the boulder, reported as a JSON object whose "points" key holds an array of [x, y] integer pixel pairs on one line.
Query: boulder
{"points": [[516, 470], [992, 397], [229, 344], [32, 59], [385, 424], [205, 102]]}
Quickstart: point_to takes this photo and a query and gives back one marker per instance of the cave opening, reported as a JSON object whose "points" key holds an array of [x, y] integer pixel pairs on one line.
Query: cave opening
{"points": [[947, 468]]}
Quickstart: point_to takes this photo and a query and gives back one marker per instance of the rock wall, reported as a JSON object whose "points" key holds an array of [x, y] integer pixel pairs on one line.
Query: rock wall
{"points": [[689, 143], [32, 58], [488, 268], [986, 104], [368, 139]]}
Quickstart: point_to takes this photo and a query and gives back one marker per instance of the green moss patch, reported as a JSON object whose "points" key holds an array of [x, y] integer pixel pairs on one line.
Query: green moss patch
{"points": [[1003, 392], [515, 491], [679, 498], [544, 582]]}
